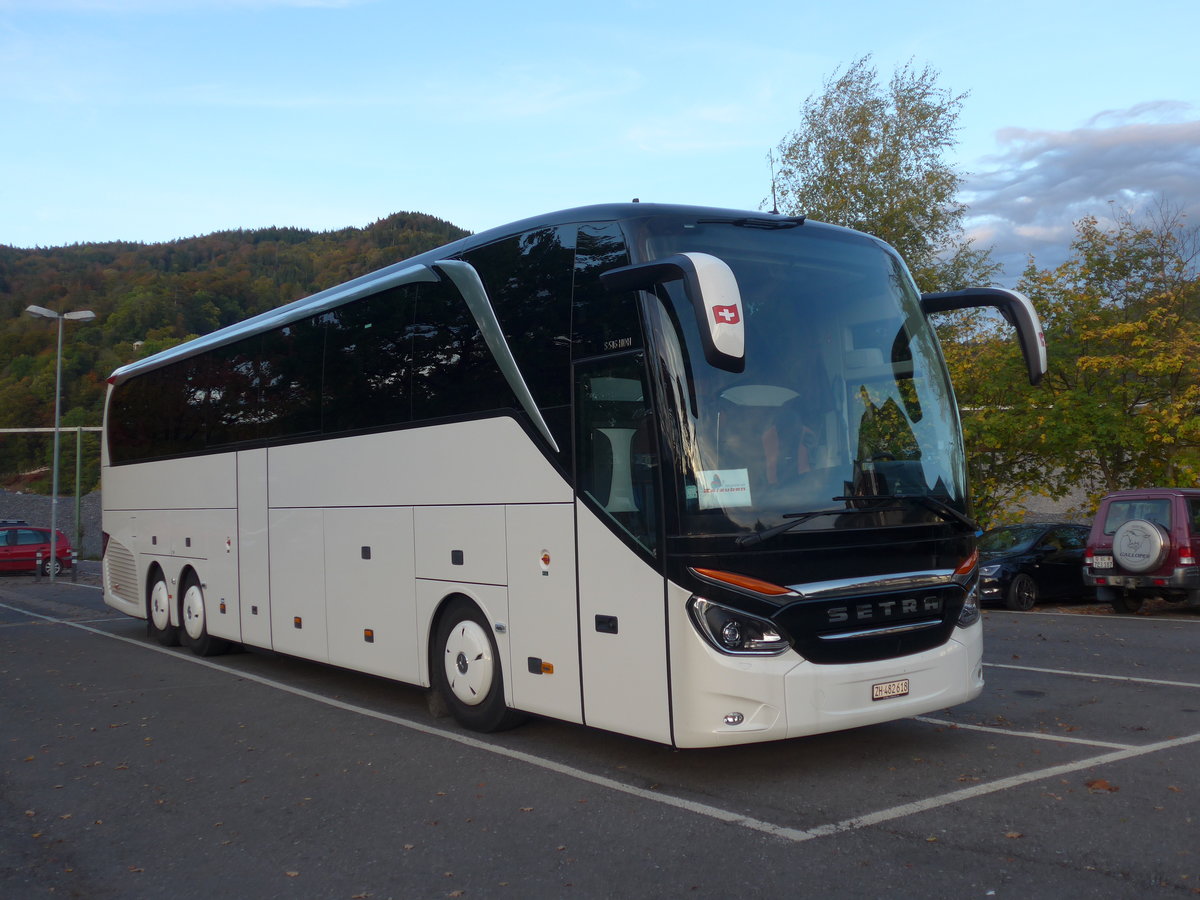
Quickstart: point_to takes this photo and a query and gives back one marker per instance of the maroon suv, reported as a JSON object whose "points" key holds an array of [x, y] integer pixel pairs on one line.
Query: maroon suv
{"points": [[1144, 543]]}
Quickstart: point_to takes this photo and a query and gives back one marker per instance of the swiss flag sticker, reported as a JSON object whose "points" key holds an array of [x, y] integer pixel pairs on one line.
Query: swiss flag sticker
{"points": [[726, 315]]}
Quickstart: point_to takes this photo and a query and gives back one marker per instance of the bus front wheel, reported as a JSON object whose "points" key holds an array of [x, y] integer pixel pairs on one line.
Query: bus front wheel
{"points": [[466, 669], [158, 613], [195, 625]]}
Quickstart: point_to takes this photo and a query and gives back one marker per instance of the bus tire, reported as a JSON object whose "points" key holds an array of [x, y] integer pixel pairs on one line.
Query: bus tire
{"points": [[158, 612], [467, 671], [193, 620]]}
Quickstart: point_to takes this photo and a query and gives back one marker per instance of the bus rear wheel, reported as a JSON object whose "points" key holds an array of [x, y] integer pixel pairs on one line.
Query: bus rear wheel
{"points": [[158, 613], [467, 671], [195, 625]]}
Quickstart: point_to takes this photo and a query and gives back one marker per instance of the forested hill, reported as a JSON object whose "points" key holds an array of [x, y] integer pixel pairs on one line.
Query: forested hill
{"points": [[150, 296]]}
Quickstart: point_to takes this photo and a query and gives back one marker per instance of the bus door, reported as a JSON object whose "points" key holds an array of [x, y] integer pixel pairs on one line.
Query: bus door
{"points": [[622, 591]]}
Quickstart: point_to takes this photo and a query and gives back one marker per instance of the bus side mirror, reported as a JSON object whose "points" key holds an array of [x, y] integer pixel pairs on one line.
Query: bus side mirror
{"points": [[1016, 309], [711, 286]]}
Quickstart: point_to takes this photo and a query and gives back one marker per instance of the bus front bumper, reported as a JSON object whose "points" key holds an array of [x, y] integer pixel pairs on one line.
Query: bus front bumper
{"points": [[760, 700]]}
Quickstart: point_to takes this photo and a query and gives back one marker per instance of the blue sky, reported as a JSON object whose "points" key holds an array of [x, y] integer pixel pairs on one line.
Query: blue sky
{"points": [[151, 120]]}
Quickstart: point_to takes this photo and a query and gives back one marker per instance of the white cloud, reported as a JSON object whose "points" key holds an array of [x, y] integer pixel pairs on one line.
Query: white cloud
{"points": [[1032, 192]]}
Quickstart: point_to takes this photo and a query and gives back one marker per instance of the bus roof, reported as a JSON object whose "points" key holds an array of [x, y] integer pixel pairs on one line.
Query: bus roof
{"points": [[404, 270]]}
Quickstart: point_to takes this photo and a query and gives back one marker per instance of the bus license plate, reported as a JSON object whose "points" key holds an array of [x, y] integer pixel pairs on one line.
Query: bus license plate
{"points": [[888, 689]]}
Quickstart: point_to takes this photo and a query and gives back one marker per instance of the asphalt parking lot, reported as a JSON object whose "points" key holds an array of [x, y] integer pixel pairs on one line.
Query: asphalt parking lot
{"points": [[132, 770]]}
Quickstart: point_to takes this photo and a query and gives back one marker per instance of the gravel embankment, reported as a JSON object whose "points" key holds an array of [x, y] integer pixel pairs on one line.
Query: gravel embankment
{"points": [[35, 509]]}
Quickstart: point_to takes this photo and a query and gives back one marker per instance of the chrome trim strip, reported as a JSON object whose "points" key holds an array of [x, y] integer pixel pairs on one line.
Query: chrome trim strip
{"points": [[879, 632], [847, 587], [467, 280], [283, 315]]}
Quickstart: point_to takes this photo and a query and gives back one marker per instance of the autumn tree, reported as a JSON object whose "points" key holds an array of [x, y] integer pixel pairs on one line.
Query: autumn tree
{"points": [[1124, 311], [1120, 406], [872, 157]]}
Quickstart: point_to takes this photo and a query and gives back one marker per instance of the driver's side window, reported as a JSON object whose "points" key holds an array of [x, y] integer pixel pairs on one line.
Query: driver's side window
{"points": [[616, 444]]}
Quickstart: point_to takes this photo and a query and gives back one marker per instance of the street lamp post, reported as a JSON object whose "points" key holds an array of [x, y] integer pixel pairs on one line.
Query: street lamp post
{"points": [[80, 315]]}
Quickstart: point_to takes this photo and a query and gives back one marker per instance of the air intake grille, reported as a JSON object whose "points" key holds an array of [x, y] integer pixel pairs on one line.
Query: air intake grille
{"points": [[120, 572]]}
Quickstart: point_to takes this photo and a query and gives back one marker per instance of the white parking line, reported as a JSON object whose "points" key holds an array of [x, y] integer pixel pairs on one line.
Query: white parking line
{"points": [[1035, 735], [1095, 675], [795, 835], [992, 787]]}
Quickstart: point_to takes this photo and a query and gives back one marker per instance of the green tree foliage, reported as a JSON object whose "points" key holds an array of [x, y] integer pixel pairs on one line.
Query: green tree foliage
{"points": [[871, 157], [150, 297], [1120, 406]]}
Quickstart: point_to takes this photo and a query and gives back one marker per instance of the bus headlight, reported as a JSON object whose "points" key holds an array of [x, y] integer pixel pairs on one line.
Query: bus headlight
{"points": [[735, 632], [970, 611]]}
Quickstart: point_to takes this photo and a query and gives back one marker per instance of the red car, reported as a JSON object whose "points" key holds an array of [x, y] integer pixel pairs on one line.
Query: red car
{"points": [[21, 544]]}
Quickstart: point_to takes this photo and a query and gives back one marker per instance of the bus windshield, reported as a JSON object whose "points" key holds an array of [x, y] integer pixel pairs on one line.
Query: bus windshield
{"points": [[843, 416]]}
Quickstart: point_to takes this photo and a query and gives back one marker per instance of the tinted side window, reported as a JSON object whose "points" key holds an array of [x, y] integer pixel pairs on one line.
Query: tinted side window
{"points": [[291, 372], [159, 414], [453, 371], [1194, 515], [235, 378], [528, 280], [602, 322], [368, 362], [1068, 538]]}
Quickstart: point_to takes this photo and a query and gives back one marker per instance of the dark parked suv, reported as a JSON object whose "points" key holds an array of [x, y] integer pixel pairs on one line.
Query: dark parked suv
{"points": [[1144, 543]]}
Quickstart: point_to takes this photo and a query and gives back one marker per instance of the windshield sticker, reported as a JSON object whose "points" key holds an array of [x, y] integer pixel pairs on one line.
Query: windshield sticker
{"points": [[724, 488]]}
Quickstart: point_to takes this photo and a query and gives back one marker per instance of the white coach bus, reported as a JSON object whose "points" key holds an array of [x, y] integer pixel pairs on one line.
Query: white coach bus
{"points": [[693, 475]]}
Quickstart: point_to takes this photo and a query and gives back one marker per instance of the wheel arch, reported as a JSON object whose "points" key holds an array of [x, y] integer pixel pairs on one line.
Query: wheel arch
{"points": [[174, 579], [496, 628]]}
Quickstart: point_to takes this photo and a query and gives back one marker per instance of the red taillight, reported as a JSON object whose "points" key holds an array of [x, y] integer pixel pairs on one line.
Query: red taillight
{"points": [[1088, 555]]}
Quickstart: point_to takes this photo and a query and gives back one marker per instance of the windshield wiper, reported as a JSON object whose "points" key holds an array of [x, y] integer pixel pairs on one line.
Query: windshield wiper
{"points": [[749, 540], [942, 508]]}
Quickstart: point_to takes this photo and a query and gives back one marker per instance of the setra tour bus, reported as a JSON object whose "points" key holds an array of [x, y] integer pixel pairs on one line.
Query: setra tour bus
{"points": [[692, 475]]}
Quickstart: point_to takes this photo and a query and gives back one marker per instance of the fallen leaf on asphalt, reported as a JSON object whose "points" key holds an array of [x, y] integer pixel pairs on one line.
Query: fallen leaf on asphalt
{"points": [[1099, 784], [1013, 835]]}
